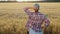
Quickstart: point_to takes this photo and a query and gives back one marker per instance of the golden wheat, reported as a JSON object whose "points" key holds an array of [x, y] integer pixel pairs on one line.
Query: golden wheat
{"points": [[13, 18]]}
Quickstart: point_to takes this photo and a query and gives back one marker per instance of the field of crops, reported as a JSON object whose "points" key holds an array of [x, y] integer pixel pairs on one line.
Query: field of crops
{"points": [[13, 18]]}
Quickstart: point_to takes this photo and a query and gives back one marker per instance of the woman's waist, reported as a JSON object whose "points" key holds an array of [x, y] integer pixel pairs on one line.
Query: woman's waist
{"points": [[37, 29]]}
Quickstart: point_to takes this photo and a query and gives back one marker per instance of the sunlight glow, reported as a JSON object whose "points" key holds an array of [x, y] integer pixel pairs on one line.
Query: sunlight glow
{"points": [[26, 0]]}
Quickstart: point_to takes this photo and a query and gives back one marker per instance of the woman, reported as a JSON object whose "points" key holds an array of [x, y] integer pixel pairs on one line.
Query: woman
{"points": [[35, 20]]}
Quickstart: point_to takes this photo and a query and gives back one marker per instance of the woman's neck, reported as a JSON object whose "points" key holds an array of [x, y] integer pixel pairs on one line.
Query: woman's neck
{"points": [[36, 11]]}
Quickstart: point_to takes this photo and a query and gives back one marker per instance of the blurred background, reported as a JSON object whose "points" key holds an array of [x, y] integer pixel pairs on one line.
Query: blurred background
{"points": [[32, 0], [13, 18]]}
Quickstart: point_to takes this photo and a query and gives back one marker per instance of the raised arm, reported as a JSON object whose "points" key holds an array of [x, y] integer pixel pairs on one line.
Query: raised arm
{"points": [[26, 9]]}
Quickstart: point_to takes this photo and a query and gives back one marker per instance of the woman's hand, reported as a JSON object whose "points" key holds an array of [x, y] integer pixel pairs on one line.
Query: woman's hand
{"points": [[43, 25], [32, 8]]}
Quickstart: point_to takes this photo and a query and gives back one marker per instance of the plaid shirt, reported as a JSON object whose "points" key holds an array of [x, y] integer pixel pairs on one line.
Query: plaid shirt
{"points": [[35, 20]]}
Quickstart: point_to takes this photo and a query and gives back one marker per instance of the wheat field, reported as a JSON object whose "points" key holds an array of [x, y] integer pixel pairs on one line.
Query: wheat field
{"points": [[13, 18]]}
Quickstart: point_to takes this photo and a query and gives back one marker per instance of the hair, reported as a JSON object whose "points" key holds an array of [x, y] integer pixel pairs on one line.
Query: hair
{"points": [[36, 5]]}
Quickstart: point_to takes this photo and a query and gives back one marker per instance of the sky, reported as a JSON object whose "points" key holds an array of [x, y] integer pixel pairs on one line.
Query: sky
{"points": [[29, 0]]}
